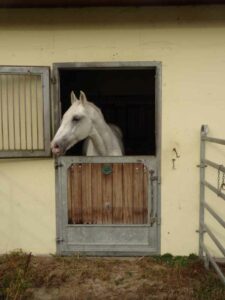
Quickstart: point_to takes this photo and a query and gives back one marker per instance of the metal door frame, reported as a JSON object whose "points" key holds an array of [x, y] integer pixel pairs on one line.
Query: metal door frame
{"points": [[57, 115]]}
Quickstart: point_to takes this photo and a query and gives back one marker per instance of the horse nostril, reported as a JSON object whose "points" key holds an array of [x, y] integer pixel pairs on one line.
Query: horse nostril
{"points": [[56, 149]]}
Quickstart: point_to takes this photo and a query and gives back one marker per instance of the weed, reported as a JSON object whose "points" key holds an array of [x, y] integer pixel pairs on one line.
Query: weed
{"points": [[162, 277], [14, 274], [179, 261], [209, 288]]}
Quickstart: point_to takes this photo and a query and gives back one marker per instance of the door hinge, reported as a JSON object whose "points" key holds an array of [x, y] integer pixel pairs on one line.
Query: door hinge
{"points": [[156, 220], [154, 177], [59, 240], [58, 165], [53, 80]]}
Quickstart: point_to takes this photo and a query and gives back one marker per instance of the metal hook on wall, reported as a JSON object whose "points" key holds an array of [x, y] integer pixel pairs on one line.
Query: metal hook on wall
{"points": [[176, 153], [175, 158]]}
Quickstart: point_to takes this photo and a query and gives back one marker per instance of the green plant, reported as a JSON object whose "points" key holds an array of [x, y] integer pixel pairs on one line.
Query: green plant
{"points": [[178, 260]]}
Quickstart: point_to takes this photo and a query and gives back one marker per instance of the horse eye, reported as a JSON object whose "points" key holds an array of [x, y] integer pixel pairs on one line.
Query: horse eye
{"points": [[76, 119]]}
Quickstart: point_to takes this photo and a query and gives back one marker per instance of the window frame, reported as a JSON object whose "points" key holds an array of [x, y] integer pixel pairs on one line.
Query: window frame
{"points": [[44, 72]]}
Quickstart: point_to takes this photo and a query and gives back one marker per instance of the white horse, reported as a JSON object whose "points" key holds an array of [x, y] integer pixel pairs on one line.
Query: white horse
{"points": [[84, 120]]}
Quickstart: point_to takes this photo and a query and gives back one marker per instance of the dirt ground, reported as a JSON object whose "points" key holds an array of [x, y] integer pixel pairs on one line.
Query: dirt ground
{"points": [[24, 276]]}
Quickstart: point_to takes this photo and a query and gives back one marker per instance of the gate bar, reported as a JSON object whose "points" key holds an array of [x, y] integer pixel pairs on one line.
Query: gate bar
{"points": [[214, 165], [214, 214], [213, 140], [213, 189], [211, 259], [215, 240]]}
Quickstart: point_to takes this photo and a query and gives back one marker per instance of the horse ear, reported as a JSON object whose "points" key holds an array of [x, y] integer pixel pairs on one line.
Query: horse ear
{"points": [[73, 97], [83, 98]]}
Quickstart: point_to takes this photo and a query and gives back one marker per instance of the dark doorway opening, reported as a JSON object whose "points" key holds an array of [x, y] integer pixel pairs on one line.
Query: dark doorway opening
{"points": [[126, 98]]}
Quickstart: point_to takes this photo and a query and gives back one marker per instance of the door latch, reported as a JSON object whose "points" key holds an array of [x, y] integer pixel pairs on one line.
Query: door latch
{"points": [[59, 240]]}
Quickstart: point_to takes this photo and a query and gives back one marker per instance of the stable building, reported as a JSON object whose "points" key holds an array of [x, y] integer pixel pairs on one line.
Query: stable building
{"points": [[155, 71]]}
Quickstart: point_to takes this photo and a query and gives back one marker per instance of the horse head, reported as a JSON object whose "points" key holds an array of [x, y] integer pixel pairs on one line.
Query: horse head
{"points": [[75, 126]]}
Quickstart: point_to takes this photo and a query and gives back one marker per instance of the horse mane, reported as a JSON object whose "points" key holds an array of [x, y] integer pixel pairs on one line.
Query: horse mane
{"points": [[97, 109]]}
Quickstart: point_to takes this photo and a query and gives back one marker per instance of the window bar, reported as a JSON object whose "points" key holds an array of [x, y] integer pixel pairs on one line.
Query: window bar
{"points": [[25, 111], [7, 101], [13, 105], [37, 110], [20, 132], [31, 112], [1, 103]]}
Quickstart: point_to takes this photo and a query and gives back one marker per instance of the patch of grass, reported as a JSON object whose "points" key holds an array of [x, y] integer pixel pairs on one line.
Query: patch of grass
{"points": [[164, 277], [173, 261], [209, 288], [14, 274]]}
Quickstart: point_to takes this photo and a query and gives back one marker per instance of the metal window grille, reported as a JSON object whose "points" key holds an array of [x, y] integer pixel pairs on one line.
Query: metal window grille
{"points": [[204, 251], [24, 112]]}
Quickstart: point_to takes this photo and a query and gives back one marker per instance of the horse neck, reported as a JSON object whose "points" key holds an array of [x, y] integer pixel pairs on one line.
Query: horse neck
{"points": [[101, 134]]}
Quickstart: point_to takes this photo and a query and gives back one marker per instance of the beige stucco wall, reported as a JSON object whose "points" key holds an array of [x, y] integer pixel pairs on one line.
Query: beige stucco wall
{"points": [[190, 43]]}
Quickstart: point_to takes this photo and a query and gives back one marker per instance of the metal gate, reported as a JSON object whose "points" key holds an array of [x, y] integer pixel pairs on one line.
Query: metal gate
{"points": [[204, 251], [107, 205]]}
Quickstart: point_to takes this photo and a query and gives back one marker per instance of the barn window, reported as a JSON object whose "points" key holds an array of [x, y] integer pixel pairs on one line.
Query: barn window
{"points": [[24, 112]]}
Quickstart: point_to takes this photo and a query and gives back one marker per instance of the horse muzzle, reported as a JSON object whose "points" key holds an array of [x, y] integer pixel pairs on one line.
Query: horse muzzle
{"points": [[57, 149]]}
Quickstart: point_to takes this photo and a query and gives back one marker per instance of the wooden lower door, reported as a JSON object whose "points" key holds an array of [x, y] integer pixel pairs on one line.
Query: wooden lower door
{"points": [[100, 193], [106, 207]]}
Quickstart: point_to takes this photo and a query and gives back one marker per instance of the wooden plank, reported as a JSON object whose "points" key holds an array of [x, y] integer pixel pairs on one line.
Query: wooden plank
{"points": [[117, 193], [127, 193], [96, 191], [76, 195], [86, 194], [138, 202], [145, 194], [107, 197]]}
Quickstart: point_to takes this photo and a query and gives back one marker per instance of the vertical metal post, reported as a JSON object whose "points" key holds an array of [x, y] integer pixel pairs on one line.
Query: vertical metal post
{"points": [[204, 131], [2, 123]]}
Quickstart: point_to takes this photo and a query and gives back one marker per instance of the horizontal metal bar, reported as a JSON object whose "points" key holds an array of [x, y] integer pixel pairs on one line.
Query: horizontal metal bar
{"points": [[107, 253], [25, 153], [148, 161], [214, 264], [215, 240], [213, 140], [109, 225], [109, 65], [215, 215], [214, 165], [18, 70], [213, 189]]}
